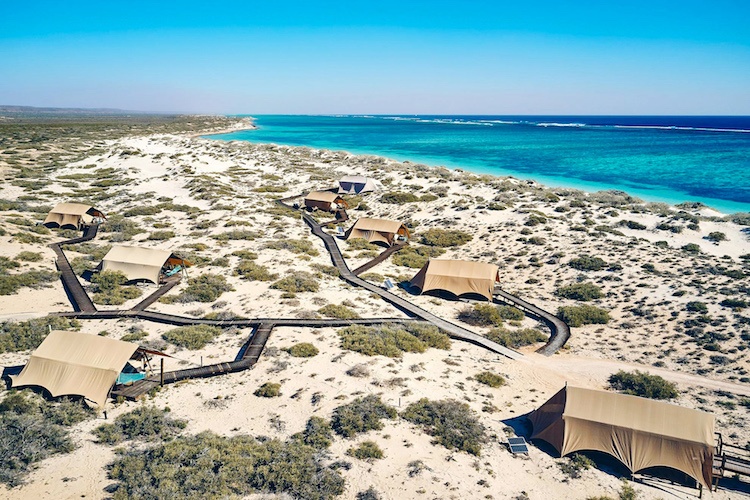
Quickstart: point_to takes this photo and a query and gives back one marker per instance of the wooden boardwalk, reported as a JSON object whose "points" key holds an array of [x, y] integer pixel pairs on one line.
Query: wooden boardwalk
{"points": [[78, 297], [380, 258], [159, 293], [560, 331]]}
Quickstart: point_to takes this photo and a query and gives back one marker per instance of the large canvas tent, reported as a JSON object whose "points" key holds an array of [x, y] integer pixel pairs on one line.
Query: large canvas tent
{"points": [[71, 363], [140, 263], [458, 277], [323, 200], [377, 230], [639, 432], [355, 184], [71, 215]]}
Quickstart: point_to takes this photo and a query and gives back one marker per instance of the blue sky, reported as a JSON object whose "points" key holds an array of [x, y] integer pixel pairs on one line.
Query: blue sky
{"points": [[470, 57]]}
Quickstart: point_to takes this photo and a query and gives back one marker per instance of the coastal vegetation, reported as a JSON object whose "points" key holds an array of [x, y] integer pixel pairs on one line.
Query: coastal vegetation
{"points": [[643, 384], [453, 424], [146, 423], [583, 315], [392, 340]]}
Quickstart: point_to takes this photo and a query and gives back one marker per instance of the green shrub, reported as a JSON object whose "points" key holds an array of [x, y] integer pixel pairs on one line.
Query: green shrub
{"points": [[452, 423], [6, 263], [192, 337], [302, 350], [146, 423], [588, 263], [716, 236], [109, 289], [691, 248], [298, 282], [632, 224], [161, 235], [443, 238], [359, 244], [399, 198], [481, 315], [415, 257], [11, 283], [366, 450], [204, 288], [236, 235], [642, 384], [317, 433], [516, 338], [327, 270], [268, 390], [734, 303], [361, 415], [489, 378], [574, 466], [134, 336], [338, 311], [583, 315], [18, 336], [580, 291], [142, 210], [697, 306], [510, 313], [249, 270], [431, 335], [214, 467], [294, 246], [31, 429], [29, 256], [392, 339]]}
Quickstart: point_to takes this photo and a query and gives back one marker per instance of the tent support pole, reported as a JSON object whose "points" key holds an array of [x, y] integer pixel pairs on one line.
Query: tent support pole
{"points": [[161, 372]]}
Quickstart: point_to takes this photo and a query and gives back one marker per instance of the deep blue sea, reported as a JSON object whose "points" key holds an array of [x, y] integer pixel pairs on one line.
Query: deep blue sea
{"points": [[657, 158]]}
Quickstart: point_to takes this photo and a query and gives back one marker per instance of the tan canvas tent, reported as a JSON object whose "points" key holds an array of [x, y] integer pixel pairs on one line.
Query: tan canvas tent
{"points": [[72, 363], [377, 230], [71, 215], [639, 432], [140, 263], [323, 200], [355, 184], [457, 276]]}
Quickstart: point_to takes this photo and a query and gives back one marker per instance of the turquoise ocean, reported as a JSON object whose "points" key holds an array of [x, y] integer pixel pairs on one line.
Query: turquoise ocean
{"points": [[657, 158]]}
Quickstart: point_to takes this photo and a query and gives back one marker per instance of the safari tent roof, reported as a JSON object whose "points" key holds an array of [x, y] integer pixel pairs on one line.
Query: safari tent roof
{"points": [[457, 276], [382, 230], [70, 214], [139, 263], [324, 196], [639, 432], [71, 363], [353, 184]]}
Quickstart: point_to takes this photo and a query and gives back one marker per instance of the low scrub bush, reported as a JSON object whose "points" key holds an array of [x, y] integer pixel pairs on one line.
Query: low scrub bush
{"points": [[366, 450], [361, 415], [161, 235], [583, 315], [204, 288], [298, 282], [574, 466], [192, 337], [631, 224], [580, 291], [29, 256], [697, 306], [268, 390], [249, 270], [481, 315], [359, 244], [436, 237], [294, 246], [489, 378], [11, 283], [642, 384], [516, 338], [392, 339], [317, 433], [399, 198], [32, 429], [236, 235], [691, 248], [415, 257], [588, 263], [24, 335], [212, 466], [338, 311], [302, 350], [452, 423], [146, 423]]}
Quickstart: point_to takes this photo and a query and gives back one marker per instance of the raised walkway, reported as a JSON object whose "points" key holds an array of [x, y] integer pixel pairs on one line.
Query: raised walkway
{"points": [[78, 297]]}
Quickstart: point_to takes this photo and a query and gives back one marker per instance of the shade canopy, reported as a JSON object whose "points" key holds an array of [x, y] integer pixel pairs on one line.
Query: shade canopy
{"points": [[458, 277], [323, 200], [355, 184], [138, 263], [377, 230], [71, 215], [639, 432], [71, 363]]}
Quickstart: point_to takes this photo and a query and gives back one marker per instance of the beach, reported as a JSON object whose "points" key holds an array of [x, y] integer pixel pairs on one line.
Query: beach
{"points": [[214, 203]]}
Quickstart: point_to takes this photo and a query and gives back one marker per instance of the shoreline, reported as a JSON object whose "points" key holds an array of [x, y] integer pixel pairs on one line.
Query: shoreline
{"points": [[588, 187]]}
